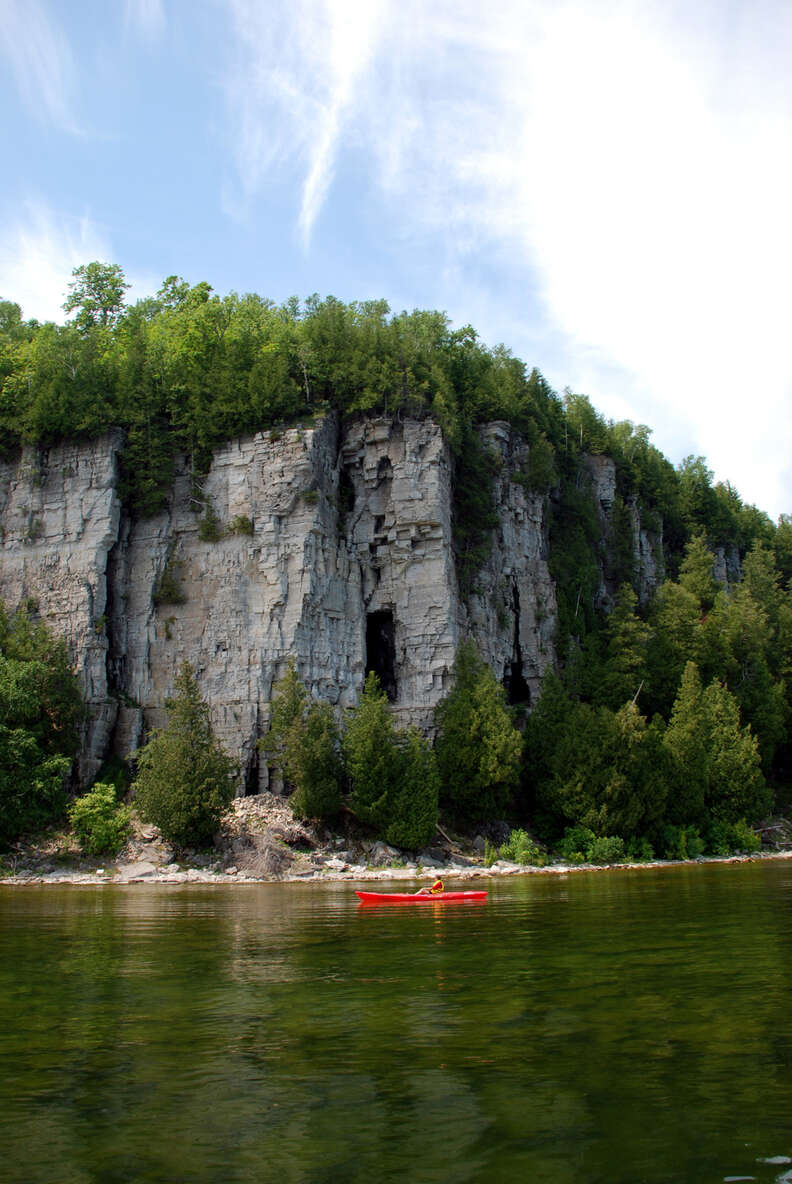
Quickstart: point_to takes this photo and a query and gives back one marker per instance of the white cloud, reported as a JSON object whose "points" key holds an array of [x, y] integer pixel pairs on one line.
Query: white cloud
{"points": [[633, 160], [147, 18], [38, 253], [294, 85], [40, 59]]}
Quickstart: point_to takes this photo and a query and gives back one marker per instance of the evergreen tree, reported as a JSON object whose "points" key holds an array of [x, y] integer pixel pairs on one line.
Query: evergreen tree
{"points": [[372, 756], [718, 769], [185, 781], [288, 703], [608, 772], [414, 799], [696, 572], [627, 638], [303, 742], [687, 740], [313, 763], [677, 637], [478, 747]]}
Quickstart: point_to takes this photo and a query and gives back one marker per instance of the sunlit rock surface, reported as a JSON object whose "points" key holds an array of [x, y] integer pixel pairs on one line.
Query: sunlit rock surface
{"points": [[329, 545]]}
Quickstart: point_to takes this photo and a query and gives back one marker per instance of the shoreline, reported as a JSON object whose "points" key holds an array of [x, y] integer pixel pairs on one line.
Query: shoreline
{"points": [[167, 877]]}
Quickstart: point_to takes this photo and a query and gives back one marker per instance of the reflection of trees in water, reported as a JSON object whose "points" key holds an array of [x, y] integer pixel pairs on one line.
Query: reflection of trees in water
{"points": [[626, 1026]]}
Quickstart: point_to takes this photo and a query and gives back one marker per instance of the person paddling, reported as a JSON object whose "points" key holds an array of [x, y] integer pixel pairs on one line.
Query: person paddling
{"points": [[436, 887]]}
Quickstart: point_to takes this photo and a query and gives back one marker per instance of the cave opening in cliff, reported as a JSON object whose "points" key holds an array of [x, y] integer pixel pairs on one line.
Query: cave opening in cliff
{"points": [[518, 693], [517, 690], [252, 773], [381, 650]]}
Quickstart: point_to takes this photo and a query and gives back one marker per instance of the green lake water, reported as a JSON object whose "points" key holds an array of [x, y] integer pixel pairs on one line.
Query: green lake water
{"points": [[613, 1026]]}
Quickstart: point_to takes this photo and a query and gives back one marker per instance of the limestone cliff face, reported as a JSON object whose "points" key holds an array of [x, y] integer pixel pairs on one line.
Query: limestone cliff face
{"points": [[59, 518], [512, 613], [646, 543], [348, 551], [332, 546]]}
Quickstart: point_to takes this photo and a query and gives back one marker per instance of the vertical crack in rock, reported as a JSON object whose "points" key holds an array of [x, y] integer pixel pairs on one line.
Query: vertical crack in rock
{"points": [[517, 689]]}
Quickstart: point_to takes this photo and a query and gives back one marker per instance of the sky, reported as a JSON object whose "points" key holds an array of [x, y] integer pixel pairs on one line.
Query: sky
{"points": [[605, 187]]}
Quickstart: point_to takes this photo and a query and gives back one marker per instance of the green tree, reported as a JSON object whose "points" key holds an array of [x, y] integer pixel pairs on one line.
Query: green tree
{"points": [[314, 765], [40, 713], [718, 768], [185, 781], [627, 640], [607, 772], [478, 747], [303, 742], [372, 756], [695, 574], [97, 292], [414, 801]]}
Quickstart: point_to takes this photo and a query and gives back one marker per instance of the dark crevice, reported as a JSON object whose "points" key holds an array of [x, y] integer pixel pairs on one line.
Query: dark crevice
{"points": [[381, 650], [346, 499], [517, 689], [252, 772]]}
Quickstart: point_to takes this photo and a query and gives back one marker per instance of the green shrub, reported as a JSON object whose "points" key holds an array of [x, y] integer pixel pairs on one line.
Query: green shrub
{"points": [[240, 524], [521, 848], [724, 838], [209, 528], [168, 589], [639, 851], [100, 824], [606, 849], [682, 842], [575, 844], [581, 845]]}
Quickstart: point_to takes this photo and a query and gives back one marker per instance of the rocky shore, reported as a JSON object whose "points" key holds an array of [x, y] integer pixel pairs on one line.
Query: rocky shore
{"points": [[261, 841]]}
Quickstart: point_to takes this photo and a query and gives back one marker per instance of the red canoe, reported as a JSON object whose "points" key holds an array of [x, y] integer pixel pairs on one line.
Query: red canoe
{"points": [[413, 898]]}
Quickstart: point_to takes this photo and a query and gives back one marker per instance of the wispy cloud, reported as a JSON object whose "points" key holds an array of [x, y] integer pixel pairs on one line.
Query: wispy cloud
{"points": [[40, 249], [147, 18], [633, 160], [40, 60], [38, 253], [294, 88]]}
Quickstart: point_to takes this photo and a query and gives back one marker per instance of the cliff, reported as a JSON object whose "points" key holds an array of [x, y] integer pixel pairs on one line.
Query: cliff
{"points": [[332, 545]]}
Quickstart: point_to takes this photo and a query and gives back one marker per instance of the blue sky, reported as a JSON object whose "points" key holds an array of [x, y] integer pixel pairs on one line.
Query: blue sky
{"points": [[606, 188]]}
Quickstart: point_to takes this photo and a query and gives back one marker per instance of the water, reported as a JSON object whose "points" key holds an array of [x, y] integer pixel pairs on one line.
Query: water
{"points": [[617, 1026]]}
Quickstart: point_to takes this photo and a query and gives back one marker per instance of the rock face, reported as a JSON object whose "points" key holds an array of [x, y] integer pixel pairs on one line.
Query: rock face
{"points": [[512, 613], [59, 517], [335, 551], [646, 543], [329, 546]]}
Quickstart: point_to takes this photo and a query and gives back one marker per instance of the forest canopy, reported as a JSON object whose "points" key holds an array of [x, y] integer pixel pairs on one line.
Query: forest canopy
{"points": [[188, 369]]}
